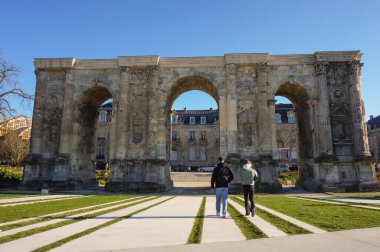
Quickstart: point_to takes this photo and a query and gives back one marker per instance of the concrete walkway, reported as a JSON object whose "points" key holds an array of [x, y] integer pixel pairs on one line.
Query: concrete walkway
{"points": [[35, 198], [217, 229], [344, 241], [263, 225], [42, 201], [292, 220], [338, 203], [166, 224], [347, 199], [65, 212], [50, 222], [45, 238]]}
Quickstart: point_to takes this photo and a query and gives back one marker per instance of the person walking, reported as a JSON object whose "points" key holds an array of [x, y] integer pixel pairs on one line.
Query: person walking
{"points": [[248, 178], [221, 177]]}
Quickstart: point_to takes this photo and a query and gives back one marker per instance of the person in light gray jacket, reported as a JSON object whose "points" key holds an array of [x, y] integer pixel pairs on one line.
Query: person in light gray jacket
{"points": [[248, 178]]}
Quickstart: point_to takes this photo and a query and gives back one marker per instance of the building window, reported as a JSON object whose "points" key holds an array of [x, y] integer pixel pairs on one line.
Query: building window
{"points": [[203, 154], [174, 119], [192, 120], [291, 118], [100, 151], [191, 153], [103, 116], [174, 135], [203, 120], [278, 119], [192, 136], [174, 155], [203, 135]]}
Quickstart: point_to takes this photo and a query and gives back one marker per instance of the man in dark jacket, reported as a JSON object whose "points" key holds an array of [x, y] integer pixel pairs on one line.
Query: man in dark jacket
{"points": [[221, 177]]}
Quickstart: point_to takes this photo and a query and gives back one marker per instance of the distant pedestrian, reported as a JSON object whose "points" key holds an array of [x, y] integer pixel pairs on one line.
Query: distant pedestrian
{"points": [[249, 177], [221, 177]]}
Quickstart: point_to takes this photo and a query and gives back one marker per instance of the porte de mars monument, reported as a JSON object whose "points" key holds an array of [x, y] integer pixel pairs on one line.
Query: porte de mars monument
{"points": [[324, 87]]}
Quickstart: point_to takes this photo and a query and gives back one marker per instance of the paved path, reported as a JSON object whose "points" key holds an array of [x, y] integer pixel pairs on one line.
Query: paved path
{"points": [[345, 241], [216, 229], [347, 199], [64, 212], [41, 239], [292, 220], [337, 203], [166, 224], [263, 225], [35, 198], [45, 223], [42, 201]]}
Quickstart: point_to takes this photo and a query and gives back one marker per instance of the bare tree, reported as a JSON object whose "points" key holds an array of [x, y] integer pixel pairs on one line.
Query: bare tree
{"points": [[15, 148], [286, 137], [9, 89]]}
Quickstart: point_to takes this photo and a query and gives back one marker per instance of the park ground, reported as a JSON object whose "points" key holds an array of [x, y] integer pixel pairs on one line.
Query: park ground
{"points": [[184, 220]]}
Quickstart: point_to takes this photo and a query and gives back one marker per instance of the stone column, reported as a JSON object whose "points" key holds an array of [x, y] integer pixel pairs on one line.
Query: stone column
{"points": [[38, 113], [67, 115], [361, 148], [119, 121], [231, 108], [314, 106], [324, 126], [264, 114], [272, 110]]}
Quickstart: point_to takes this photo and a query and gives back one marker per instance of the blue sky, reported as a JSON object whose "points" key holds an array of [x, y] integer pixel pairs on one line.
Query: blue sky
{"points": [[90, 29]]}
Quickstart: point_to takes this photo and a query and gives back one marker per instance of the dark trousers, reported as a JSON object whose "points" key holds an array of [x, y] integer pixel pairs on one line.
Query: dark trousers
{"points": [[248, 195]]}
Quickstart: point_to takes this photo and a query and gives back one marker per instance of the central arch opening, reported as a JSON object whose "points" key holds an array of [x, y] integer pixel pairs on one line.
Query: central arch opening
{"points": [[193, 142], [95, 110], [294, 134]]}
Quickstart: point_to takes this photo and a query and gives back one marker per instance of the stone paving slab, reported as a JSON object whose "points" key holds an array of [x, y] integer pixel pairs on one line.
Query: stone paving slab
{"points": [[166, 224], [263, 225], [42, 201], [299, 223], [62, 212], [45, 223], [341, 241], [36, 198], [348, 199], [41, 239], [216, 229], [338, 203]]}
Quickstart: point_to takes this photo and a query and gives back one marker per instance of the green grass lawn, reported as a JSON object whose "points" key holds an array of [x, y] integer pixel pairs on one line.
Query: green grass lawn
{"points": [[323, 215], [196, 233], [11, 213]]}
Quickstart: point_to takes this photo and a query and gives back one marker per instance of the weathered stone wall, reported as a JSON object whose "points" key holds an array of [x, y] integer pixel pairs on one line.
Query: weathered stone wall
{"points": [[324, 87]]}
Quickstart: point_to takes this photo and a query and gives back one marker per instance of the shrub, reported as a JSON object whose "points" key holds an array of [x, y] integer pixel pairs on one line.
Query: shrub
{"points": [[11, 174], [288, 177], [102, 176]]}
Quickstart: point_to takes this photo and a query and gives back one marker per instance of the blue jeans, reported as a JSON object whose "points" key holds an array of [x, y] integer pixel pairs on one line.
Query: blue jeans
{"points": [[221, 192]]}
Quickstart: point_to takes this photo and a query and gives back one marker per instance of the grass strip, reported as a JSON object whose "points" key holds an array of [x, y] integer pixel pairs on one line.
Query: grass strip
{"points": [[91, 230], [33, 231], [64, 215], [283, 225], [329, 217], [249, 230], [196, 232], [12, 213]]}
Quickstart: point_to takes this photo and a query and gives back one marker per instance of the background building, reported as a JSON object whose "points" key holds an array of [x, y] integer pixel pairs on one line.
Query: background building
{"points": [[195, 137], [102, 136], [373, 126], [286, 134]]}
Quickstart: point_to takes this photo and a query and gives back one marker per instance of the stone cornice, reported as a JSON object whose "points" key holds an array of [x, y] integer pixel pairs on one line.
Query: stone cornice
{"points": [[138, 61], [217, 61], [46, 63], [338, 56]]}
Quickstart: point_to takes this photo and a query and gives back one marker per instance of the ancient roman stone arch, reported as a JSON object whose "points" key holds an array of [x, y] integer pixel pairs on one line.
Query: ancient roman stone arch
{"points": [[324, 87]]}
